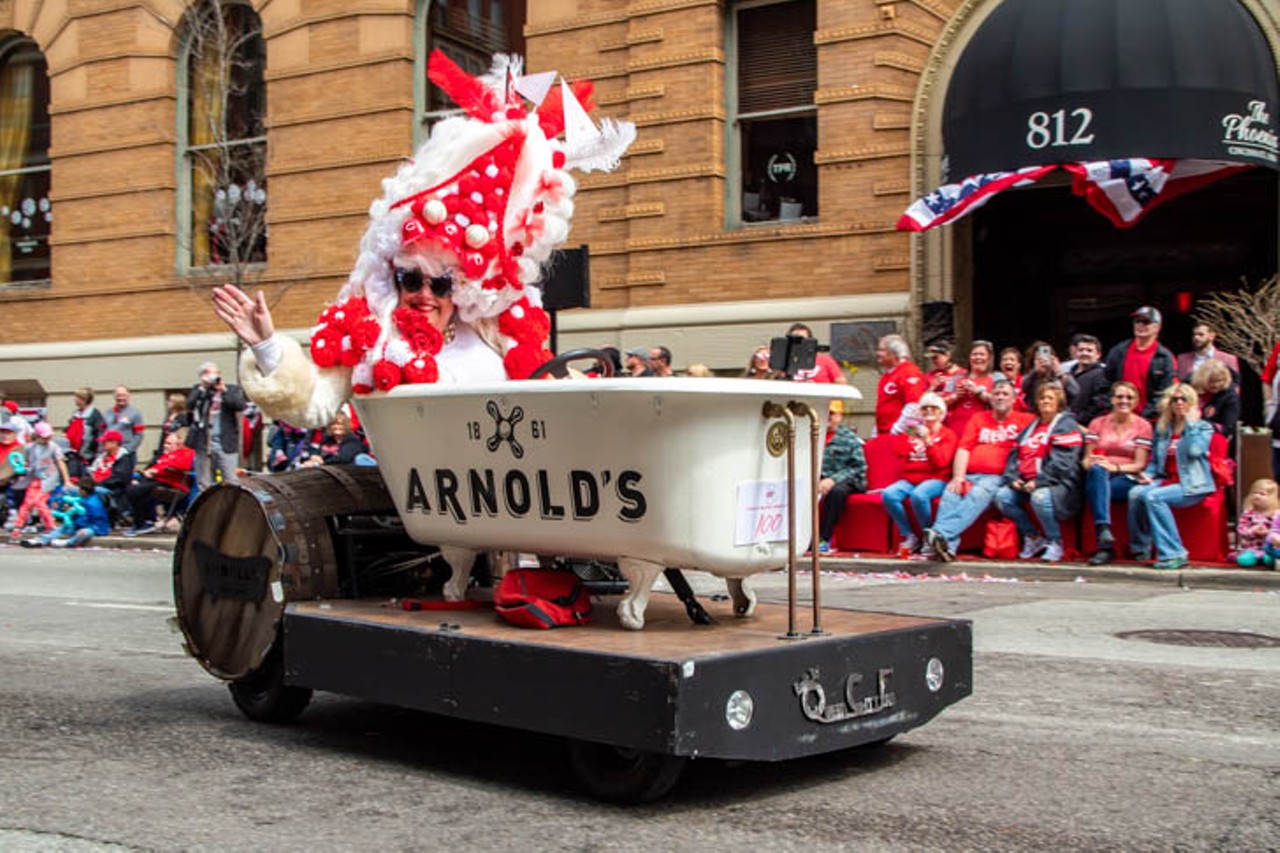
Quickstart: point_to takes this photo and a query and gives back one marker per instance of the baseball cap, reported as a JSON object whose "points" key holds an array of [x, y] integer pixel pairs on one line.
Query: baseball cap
{"points": [[938, 348], [837, 406], [1146, 312], [639, 352], [113, 435], [43, 430]]}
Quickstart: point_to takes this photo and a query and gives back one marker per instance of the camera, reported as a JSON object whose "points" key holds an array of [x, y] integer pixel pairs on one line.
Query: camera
{"points": [[1044, 352], [792, 354]]}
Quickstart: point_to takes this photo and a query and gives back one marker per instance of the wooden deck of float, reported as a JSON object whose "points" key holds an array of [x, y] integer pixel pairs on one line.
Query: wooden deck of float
{"points": [[668, 633]]}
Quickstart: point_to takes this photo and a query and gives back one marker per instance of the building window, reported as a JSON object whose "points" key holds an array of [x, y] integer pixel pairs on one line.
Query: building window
{"points": [[24, 163], [469, 32], [222, 218], [773, 75]]}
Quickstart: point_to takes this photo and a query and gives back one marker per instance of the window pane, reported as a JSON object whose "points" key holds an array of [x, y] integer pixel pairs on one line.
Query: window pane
{"points": [[779, 179], [777, 59], [226, 113], [470, 32], [24, 165]]}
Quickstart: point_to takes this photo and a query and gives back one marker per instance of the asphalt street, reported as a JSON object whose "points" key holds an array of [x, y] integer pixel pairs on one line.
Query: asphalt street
{"points": [[1074, 738]]}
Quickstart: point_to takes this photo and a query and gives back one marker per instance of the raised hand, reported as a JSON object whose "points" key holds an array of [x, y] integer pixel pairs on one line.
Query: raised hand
{"points": [[249, 318]]}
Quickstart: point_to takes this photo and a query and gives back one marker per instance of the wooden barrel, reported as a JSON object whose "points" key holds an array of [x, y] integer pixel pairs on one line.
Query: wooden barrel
{"points": [[245, 549]]}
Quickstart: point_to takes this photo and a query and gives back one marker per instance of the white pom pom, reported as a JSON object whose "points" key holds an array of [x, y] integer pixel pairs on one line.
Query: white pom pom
{"points": [[398, 352], [362, 374], [434, 211], [477, 236], [517, 311]]}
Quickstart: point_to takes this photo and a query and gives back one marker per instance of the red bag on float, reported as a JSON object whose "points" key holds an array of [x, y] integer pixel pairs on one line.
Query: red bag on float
{"points": [[1000, 542], [542, 598]]}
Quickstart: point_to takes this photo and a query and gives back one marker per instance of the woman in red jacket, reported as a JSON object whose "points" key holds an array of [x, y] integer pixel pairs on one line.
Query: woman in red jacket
{"points": [[927, 449]]}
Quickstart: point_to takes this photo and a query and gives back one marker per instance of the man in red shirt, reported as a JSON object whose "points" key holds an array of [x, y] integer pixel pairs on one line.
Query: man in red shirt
{"points": [[977, 470], [1144, 361], [902, 382]]}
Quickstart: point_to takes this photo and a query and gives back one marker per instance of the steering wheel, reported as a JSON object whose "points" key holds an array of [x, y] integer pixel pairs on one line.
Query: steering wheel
{"points": [[559, 366]]}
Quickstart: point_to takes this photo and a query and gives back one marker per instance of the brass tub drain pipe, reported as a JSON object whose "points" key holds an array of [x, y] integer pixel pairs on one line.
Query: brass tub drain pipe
{"points": [[776, 410], [800, 409]]}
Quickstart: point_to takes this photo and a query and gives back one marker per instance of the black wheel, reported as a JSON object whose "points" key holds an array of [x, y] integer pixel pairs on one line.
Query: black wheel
{"points": [[559, 366], [622, 775], [263, 696]]}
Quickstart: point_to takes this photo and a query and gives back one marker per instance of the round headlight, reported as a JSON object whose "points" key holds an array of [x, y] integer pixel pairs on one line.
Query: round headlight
{"points": [[933, 675], [739, 710]]}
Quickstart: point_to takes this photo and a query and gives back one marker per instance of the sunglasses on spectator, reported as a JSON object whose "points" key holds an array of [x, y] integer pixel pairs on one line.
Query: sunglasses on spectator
{"points": [[1141, 321], [412, 281], [1128, 397]]}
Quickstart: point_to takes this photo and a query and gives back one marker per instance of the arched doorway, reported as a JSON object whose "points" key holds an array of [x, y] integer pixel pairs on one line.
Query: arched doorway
{"points": [[1038, 262]]}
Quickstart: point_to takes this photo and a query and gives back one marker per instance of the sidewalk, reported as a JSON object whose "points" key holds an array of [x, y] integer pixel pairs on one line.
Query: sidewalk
{"points": [[1200, 578]]}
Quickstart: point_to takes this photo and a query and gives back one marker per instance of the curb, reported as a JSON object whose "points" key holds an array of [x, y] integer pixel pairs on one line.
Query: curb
{"points": [[1198, 578]]}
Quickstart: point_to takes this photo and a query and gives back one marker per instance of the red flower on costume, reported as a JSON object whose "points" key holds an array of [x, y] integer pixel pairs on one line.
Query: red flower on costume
{"points": [[417, 331], [344, 333], [524, 323], [421, 370], [386, 375], [523, 359], [326, 346]]}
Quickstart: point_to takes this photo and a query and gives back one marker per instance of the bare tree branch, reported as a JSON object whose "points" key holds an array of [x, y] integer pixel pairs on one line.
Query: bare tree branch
{"points": [[226, 152], [1247, 321]]}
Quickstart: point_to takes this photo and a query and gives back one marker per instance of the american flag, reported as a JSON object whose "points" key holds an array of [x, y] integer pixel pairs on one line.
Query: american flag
{"points": [[1124, 191]]}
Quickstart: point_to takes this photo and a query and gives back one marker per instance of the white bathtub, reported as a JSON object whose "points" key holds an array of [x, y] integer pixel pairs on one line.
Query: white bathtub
{"points": [[670, 470]]}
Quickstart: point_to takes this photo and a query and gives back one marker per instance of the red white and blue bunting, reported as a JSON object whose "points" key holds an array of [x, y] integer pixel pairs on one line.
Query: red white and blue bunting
{"points": [[1124, 191]]}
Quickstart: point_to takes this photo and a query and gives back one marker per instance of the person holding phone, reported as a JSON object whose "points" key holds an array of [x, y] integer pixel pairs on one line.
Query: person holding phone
{"points": [[1043, 366]]}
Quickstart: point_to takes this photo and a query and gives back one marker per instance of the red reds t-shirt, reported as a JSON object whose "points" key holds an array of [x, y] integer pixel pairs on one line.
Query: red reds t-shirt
{"points": [[1036, 447], [927, 457], [1136, 364], [1032, 450], [962, 405], [904, 384], [989, 441], [1171, 460]]}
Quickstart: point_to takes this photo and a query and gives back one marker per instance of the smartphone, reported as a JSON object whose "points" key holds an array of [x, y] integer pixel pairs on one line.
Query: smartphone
{"points": [[1044, 352]]}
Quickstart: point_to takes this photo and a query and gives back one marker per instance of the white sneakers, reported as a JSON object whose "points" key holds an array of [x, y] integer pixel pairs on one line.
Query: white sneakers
{"points": [[1053, 553], [1033, 545]]}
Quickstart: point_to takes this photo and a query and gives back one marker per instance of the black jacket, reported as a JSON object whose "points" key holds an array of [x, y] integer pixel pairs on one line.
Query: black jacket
{"points": [[1060, 470], [1094, 396], [199, 402], [1223, 411], [1160, 374]]}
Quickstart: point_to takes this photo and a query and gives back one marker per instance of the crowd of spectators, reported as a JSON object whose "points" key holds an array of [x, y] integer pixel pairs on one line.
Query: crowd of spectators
{"points": [[62, 488], [1039, 438]]}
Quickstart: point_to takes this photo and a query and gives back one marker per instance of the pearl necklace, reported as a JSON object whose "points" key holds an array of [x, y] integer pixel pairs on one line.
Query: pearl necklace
{"points": [[450, 331]]}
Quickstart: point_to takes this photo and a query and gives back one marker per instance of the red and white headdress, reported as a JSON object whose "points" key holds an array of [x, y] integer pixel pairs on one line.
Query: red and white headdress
{"points": [[491, 194]]}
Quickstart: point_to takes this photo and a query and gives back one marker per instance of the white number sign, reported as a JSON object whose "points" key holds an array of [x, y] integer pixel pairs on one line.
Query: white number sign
{"points": [[1051, 129]]}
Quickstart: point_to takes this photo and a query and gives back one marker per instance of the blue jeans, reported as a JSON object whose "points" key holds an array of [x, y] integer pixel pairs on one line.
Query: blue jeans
{"points": [[921, 495], [1101, 487], [75, 539], [1151, 516], [1012, 505], [957, 514]]}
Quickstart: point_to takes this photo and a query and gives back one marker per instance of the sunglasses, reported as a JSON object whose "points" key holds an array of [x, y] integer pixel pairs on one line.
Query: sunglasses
{"points": [[412, 281], [1142, 321]]}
